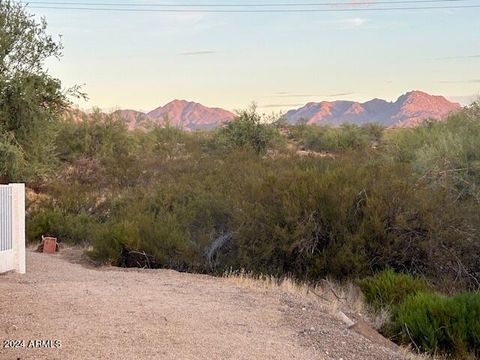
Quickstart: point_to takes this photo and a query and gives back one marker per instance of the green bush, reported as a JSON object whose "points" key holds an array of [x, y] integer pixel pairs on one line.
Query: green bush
{"points": [[247, 130], [111, 241], [337, 139], [73, 228], [12, 160], [444, 154], [388, 289], [436, 323], [193, 205]]}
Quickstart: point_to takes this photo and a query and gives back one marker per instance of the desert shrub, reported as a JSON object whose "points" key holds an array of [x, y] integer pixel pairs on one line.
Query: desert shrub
{"points": [[440, 324], [388, 289], [308, 217], [337, 139], [12, 160], [73, 228], [193, 205], [247, 130], [111, 240], [295, 219], [443, 153]]}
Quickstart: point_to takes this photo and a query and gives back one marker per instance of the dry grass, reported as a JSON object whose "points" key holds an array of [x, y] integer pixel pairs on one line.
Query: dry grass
{"points": [[410, 354], [332, 296], [267, 282]]}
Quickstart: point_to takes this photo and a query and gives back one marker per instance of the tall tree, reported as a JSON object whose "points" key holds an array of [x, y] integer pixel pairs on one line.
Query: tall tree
{"points": [[31, 100]]}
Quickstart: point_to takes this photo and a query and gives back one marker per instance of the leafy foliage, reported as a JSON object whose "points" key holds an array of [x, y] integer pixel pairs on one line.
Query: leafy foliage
{"points": [[388, 289], [247, 130], [181, 197], [436, 323], [405, 200], [337, 139], [30, 99]]}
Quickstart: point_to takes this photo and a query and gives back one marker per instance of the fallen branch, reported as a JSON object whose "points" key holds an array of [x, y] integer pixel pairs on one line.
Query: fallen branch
{"points": [[320, 296], [143, 254], [411, 339]]}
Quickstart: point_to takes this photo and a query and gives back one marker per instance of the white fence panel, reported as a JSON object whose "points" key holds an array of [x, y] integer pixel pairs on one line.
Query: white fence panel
{"points": [[12, 228]]}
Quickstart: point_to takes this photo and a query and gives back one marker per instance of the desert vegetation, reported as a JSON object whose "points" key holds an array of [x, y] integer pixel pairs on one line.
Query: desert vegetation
{"points": [[398, 208], [432, 322], [240, 197]]}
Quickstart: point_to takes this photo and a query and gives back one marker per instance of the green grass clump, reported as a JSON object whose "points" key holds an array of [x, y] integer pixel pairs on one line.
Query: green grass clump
{"points": [[72, 228], [428, 321], [388, 288], [440, 324]]}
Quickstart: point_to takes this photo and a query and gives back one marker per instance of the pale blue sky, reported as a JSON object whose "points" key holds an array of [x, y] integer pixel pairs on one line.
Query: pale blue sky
{"points": [[142, 60]]}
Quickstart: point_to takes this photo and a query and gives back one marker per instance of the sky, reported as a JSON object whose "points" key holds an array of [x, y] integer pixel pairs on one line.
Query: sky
{"points": [[142, 60]]}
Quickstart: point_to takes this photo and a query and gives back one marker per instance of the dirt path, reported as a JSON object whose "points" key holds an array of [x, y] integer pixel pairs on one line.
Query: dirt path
{"points": [[112, 313]]}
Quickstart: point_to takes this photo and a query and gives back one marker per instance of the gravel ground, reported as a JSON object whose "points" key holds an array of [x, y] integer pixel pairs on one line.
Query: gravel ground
{"points": [[112, 313]]}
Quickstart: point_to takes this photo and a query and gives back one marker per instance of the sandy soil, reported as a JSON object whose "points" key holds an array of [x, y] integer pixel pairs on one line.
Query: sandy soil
{"points": [[111, 313]]}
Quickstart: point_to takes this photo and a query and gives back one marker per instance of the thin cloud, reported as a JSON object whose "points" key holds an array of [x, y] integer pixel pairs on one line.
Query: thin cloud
{"points": [[340, 94], [353, 22], [476, 56], [463, 99], [294, 95], [286, 95], [280, 105], [195, 53], [347, 23], [470, 81]]}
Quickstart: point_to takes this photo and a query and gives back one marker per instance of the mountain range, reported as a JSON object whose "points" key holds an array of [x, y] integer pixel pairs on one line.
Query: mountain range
{"points": [[408, 110], [188, 115]]}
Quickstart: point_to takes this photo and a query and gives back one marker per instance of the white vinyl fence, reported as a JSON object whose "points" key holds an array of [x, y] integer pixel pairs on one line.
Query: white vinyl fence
{"points": [[12, 228]]}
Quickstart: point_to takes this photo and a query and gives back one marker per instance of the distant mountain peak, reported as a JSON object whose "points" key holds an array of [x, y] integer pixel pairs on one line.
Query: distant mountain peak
{"points": [[181, 102], [188, 115], [410, 109], [417, 93], [417, 106]]}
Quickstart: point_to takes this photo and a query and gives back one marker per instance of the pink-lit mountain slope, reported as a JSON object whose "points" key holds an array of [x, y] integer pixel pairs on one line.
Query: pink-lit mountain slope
{"points": [[178, 113], [407, 111]]}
